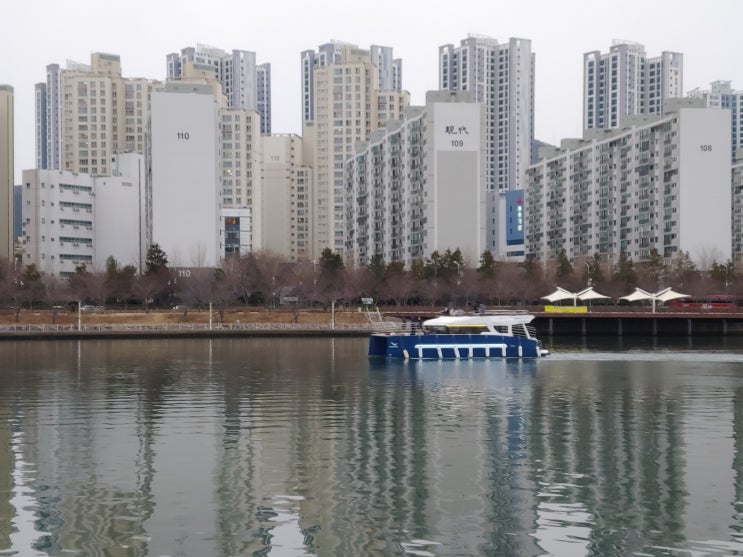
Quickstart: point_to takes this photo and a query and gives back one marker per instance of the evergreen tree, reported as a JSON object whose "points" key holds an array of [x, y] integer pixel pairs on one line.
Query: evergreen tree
{"points": [[487, 266], [156, 260], [683, 269], [656, 268], [624, 272], [723, 273], [376, 267], [564, 269], [595, 274]]}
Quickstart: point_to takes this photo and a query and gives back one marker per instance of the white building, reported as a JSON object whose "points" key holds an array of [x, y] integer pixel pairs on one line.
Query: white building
{"points": [[721, 95], [7, 178], [287, 197], [625, 82], [72, 219], [347, 106], [663, 183], [246, 84], [418, 185], [187, 174]]}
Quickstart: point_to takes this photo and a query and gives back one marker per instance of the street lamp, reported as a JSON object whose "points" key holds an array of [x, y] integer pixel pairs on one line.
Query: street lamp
{"points": [[588, 272]]}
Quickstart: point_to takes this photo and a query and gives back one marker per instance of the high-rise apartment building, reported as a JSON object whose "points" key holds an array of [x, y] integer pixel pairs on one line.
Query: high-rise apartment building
{"points": [[389, 70], [7, 240], [246, 84], [737, 213], [501, 76], [418, 185], [241, 166], [625, 82], [85, 114], [721, 95], [663, 183], [239, 149], [287, 191], [187, 174], [344, 104]]}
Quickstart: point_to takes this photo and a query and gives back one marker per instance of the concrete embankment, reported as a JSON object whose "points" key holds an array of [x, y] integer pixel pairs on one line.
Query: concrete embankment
{"points": [[52, 332]]}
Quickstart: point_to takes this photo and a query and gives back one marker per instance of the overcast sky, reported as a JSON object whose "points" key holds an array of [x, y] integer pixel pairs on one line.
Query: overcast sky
{"points": [[40, 32]]}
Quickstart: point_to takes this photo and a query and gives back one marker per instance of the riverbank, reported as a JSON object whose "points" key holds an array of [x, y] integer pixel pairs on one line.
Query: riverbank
{"points": [[230, 316], [46, 324]]}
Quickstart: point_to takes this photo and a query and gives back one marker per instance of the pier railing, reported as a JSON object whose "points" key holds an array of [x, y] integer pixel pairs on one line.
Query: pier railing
{"points": [[371, 327]]}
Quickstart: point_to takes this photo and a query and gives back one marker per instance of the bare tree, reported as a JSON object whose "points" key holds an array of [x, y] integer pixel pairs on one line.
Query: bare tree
{"points": [[57, 293], [145, 288]]}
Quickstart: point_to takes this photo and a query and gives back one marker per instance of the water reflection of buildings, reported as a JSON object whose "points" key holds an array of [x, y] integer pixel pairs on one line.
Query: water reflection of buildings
{"points": [[6, 472], [146, 450], [616, 453]]}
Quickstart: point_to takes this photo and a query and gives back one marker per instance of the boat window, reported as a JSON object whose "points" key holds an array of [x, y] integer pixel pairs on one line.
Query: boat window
{"points": [[469, 330], [519, 330], [439, 330], [502, 329]]}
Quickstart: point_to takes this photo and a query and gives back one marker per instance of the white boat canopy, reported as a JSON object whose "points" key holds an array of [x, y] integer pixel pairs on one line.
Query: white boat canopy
{"points": [[584, 295], [665, 295]]}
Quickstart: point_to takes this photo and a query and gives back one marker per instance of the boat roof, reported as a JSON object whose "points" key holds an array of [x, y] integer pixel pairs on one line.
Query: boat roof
{"points": [[479, 320]]}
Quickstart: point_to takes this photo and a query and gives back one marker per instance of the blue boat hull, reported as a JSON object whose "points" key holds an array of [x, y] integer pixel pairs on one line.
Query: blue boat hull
{"points": [[453, 346]]}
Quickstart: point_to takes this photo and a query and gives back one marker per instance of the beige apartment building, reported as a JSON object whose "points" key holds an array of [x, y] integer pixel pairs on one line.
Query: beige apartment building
{"points": [[287, 191], [101, 113], [348, 105], [6, 172]]}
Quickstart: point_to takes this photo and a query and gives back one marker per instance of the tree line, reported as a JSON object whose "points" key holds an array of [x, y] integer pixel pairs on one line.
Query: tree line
{"points": [[268, 280]]}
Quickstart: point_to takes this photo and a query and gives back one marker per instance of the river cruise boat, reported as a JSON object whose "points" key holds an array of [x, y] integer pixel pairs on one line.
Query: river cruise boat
{"points": [[487, 335]]}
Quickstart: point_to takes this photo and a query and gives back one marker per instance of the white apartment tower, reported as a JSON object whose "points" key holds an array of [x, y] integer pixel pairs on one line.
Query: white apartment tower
{"points": [[187, 174], [246, 84], [85, 114], [663, 183], [721, 95], [343, 104], [501, 76], [6, 172], [418, 185], [625, 82]]}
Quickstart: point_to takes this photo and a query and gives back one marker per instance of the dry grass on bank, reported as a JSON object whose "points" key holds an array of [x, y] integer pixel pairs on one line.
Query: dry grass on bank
{"points": [[154, 317]]}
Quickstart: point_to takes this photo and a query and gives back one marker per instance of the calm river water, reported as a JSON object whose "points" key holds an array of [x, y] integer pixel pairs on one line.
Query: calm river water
{"points": [[289, 447]]}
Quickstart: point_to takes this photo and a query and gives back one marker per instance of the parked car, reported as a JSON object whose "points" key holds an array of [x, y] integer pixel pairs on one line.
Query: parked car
{"points": [[92, 309]]}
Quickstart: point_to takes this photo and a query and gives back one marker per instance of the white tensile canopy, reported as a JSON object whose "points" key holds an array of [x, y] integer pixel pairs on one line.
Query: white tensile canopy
{"points": [[584, 295], [665, 295]]}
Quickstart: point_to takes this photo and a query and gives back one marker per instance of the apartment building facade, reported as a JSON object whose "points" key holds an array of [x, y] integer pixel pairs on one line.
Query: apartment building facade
{"points": [[7, 237], [287, 186], [501, 76], [86, 113], [624, 82], [419, 184], [246, 84], [663, 183], [347, 106], [187, 174], [721, 95], [71, 219], [737, 209]]}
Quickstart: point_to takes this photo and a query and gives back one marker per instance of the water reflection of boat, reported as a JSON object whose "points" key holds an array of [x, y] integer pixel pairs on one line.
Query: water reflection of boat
{"points": [[487, 335]]}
